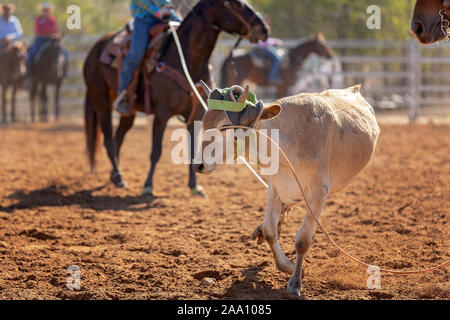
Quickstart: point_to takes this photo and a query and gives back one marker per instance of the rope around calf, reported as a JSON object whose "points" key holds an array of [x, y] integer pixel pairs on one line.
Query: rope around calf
{"points": [[317, 220], [194, 88]]}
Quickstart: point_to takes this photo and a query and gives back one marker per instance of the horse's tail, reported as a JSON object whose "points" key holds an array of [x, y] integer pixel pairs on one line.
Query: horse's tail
{"points": [[92, 130], [224, 73]]}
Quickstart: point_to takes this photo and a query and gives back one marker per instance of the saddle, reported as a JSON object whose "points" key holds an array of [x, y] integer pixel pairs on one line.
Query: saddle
{"points": [[119, 47], [260, 58]]}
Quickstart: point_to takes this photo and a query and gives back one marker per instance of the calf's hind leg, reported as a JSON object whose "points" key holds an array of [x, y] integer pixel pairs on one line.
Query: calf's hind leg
{"points": [[269, 231], [316, 198]]}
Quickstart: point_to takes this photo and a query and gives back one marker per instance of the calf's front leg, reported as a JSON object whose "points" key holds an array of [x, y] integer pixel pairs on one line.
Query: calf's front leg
{"points": [[269, 231], [303, 239]]}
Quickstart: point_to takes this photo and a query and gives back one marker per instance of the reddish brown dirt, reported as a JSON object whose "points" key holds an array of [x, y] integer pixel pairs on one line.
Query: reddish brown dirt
{"points": [[54, 213]]}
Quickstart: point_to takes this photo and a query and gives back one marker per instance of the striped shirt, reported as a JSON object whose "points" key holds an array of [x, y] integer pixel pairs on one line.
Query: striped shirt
{"points": [[143, 8]]}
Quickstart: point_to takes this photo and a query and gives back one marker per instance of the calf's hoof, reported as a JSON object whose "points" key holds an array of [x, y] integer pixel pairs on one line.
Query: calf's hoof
{"points": [[258, 235], [198, 191], [148, 191], [294, 286]]}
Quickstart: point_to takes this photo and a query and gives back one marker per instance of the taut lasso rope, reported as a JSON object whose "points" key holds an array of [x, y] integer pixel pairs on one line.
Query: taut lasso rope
{"points": [[194, 88], [317, 220]]}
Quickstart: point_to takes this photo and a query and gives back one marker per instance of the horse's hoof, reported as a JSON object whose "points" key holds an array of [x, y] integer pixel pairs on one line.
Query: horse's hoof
{"points": [[118, 181], [198, 191], [148, 191], [121, 184]]}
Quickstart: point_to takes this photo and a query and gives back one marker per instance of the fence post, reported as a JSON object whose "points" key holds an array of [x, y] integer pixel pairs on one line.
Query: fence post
{"points": [[414, 79]]}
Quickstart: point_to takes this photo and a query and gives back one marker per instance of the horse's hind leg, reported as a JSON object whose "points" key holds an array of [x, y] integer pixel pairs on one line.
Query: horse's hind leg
{"points": [[110, 145], [13, 104]]}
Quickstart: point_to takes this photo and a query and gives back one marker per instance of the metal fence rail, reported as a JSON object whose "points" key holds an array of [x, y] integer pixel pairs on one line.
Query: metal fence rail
{"points": [[420, 74]]}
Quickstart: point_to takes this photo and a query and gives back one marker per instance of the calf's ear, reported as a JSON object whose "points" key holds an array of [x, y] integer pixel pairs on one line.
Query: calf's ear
{"points": [[271, 112]]}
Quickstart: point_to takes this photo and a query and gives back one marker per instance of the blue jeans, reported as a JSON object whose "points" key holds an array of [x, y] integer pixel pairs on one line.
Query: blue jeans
{"points": [[140, 40], [33, 50], [274, 72]]}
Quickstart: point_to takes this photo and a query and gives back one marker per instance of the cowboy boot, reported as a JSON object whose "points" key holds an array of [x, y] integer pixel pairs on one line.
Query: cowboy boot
{"points": [[122, 104]]}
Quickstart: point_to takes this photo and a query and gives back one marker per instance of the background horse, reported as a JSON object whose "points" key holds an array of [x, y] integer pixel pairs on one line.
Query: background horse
{"points": [[49, 67], [237, 70], [198, 36], [12, 70], [427, 24]]}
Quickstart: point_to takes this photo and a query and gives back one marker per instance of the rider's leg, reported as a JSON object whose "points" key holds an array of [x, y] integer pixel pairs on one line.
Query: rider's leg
{"points": [[32, 51], [139, 43], [274, 72]]}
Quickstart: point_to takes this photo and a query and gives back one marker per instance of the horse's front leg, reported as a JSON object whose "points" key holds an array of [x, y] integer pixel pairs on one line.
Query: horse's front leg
{"points": [[57, 99], [196, 190], [13, 104], [4, 90], [159, 126], [126, 123], [110, 145], [44, 104], [33, 102]]}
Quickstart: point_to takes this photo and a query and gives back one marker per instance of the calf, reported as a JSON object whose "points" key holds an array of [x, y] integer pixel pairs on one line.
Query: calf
{"points": [[329, 138]]}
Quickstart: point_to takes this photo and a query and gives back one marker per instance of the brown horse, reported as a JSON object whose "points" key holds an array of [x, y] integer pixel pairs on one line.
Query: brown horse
{"points": [[198, 36], [237, 70], [12, 70], [49, 67], [430, 20]]}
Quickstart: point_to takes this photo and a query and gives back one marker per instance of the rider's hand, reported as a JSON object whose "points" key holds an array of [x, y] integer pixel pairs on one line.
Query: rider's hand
{"points": [[163, 13]]}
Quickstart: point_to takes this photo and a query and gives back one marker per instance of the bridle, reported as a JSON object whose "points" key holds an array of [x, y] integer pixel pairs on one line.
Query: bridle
{"points": [[445, 22], [249, 34], [247, 24]]}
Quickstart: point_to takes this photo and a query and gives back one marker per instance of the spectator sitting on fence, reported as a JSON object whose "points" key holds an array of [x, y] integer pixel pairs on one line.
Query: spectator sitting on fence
{"points": [[10, 27], [45, 27], [146, 13]]}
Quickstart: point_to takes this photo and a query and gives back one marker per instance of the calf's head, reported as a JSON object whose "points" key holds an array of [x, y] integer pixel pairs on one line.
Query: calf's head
{"points": [[232, 107]]}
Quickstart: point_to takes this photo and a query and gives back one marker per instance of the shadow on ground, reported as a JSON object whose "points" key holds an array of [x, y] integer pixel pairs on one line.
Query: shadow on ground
{"points": [[54, 196]]}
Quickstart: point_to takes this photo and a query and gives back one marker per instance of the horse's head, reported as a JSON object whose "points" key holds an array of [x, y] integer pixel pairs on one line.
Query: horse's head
{"points": [[321, 48], [53, 49], [14, 57], [429, 19], [317, 44], [237, 17]]}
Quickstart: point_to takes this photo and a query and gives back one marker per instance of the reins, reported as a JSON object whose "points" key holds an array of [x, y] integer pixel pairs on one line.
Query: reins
{"points": [[445, 24], [317, 220]]}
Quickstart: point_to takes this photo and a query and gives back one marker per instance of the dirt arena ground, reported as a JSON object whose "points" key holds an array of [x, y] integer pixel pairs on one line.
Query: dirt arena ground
{"points": [[54, 213]]}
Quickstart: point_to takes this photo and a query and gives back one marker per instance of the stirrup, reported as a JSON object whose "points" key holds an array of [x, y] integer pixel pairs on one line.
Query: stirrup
{"points": [[118, 104]]}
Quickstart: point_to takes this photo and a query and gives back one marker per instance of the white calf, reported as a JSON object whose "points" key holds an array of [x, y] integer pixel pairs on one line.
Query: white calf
{"points": [[329, 138]]}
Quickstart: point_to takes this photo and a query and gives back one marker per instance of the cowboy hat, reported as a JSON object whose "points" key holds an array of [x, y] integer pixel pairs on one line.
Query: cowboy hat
{"points": [[46, 6], [10, 5]]}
